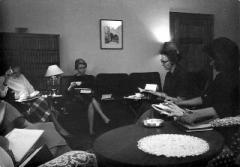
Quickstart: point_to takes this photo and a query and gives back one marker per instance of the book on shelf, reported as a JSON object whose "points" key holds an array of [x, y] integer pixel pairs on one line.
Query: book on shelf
{"points": [[21, 141]]}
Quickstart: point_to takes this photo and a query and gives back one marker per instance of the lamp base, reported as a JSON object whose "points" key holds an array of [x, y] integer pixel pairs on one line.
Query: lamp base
{"points": [[54, 92]]}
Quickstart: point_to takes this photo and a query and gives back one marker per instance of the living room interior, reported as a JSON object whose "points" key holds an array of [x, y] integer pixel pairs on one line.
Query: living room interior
{"points": [[75, 28]]}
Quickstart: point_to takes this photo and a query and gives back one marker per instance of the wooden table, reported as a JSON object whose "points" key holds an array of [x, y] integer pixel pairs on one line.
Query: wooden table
{"points": [[118, 147]]}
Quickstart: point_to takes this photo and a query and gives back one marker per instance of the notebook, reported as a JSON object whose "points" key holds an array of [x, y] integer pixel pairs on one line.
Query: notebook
{"points": [[22, 140]]}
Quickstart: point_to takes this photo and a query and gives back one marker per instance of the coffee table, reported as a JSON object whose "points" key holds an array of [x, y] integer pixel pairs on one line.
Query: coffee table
{"points": [[118, 147]]}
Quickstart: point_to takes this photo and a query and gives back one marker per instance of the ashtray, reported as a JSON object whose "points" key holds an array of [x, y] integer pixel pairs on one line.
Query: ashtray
{"points": [[153, 122]]}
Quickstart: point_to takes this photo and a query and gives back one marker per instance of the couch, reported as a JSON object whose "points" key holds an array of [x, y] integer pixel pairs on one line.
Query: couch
{"points": [[117, 84]]}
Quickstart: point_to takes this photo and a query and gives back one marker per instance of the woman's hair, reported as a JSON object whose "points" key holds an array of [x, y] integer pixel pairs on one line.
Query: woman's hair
{"points": [[171, 51], [225, 53], [80, 61]]}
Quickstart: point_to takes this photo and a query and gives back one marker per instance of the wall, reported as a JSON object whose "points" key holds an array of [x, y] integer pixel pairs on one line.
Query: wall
{"points": [[146, 25]]}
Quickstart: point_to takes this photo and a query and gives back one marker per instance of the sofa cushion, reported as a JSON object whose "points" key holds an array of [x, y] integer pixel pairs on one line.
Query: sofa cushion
{"points": [[112, 83]]}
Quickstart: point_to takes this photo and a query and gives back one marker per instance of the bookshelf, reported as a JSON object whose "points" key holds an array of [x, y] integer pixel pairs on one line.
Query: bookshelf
{"points": [[33, 52]]}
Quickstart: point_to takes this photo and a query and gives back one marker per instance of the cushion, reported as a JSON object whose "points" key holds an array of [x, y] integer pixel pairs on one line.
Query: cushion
{"points": [[73, 159], [112, 83]]}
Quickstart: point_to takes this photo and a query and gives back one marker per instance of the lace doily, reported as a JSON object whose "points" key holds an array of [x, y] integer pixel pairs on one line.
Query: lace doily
{"points": [[173, 145]]}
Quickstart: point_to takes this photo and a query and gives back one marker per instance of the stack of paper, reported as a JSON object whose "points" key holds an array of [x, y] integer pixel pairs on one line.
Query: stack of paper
{"points": [[195, 127]]}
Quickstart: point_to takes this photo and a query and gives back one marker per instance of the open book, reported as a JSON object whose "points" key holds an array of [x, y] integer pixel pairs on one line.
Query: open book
{"points": [[22, 140]]}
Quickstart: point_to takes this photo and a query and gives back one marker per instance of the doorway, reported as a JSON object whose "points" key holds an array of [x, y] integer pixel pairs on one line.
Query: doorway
{"points": [[191, 32]]}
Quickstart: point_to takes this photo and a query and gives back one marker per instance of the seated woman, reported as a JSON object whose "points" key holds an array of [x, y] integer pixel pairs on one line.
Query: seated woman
{"points": [[87, 99], [220, 96], [176, 84], [14, 86]]}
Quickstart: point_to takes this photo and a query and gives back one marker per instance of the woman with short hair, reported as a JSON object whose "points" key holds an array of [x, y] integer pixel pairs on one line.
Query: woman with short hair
{"points": [[81, 80]]}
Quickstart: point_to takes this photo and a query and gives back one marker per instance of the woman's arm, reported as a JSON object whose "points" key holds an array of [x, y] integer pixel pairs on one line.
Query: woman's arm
{"points": [[3, 86], [72, 85], [28, 85], [159, 94], [205, 111], [191, 102]]}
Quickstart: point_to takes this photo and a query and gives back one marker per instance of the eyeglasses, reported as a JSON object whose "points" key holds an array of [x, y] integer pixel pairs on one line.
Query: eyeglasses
{"points": [[81, 67], [164, 61]]}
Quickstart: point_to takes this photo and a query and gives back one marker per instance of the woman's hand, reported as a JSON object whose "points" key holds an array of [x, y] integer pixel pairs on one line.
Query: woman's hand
{"points": [[72, 85], [175, 110]]}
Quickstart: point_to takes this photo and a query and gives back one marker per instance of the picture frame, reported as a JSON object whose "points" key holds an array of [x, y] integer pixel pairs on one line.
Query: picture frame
{"points": [[111, 34]]}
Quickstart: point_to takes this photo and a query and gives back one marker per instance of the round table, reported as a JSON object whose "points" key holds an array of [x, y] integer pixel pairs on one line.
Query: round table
{"points": [[118, 147]]}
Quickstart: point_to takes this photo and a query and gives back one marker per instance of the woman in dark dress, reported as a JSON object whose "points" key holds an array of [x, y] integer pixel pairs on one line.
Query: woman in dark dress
{"points": [[220, 96], [82, 80], [176, 84]]}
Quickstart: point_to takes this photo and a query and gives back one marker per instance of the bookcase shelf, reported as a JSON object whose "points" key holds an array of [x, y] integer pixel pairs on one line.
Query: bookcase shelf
{"points": [[33, 52]]}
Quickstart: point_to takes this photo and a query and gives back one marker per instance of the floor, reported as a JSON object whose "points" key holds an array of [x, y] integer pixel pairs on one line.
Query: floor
{"points": [[75, 122]]}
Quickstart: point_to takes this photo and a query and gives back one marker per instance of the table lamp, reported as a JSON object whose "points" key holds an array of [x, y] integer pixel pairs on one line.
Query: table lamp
{"points": [[53, 72]]}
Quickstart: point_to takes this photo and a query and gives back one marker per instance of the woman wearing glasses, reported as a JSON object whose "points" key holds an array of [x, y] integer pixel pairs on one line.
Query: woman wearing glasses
{"points": [[176, 84], [82, 80]]}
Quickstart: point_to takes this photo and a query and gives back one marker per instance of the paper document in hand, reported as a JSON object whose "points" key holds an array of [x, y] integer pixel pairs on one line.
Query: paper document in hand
{"points": [[22, 140], [151, 87]]}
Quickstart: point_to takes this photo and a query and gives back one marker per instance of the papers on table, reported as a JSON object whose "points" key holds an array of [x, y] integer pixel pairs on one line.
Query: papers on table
{"points": [[35, 93], [106, 97], [22, 140], [84, 90]]}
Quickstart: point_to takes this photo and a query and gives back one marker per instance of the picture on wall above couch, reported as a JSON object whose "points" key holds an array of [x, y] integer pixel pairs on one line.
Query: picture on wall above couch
{"points": [[111, 34]]}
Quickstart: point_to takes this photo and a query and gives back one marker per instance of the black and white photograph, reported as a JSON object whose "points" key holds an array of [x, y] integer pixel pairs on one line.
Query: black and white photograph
{"points": [[111, 34], [119, 83]]}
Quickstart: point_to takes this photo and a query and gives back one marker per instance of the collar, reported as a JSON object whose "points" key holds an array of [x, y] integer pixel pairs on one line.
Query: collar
{"points": [[173, 69]]}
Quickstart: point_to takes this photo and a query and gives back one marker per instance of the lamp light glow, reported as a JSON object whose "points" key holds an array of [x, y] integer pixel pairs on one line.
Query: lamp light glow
{"points": [[53, 70]]}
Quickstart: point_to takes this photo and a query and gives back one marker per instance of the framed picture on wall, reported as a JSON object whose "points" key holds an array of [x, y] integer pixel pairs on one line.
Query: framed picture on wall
{"points": [[111, 34]]}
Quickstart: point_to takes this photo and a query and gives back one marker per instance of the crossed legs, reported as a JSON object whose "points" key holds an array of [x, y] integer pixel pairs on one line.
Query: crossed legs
{"points": [[95, 106]]}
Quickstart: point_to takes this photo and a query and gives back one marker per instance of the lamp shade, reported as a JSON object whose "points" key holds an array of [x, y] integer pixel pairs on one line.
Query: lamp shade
{"points": [[53, 70]]}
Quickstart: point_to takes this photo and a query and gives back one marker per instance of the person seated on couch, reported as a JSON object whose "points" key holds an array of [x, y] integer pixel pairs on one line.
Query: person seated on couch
{"points": [[11, 118], [87, 99], [15, 86], [176, 84], [220, 96]]}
